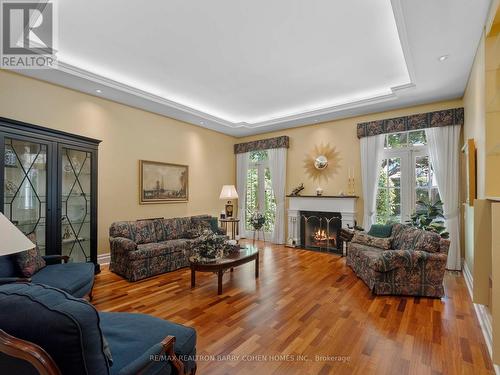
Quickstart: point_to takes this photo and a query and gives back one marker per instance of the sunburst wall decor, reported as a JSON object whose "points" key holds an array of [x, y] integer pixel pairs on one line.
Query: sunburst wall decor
{"points": [[322, 163]]}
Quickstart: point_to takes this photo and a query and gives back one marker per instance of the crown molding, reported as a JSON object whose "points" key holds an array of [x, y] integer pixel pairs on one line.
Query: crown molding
{"points": [[72, 76]]}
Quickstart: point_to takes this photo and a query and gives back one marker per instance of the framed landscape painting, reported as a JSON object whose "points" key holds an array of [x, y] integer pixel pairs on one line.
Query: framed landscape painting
{"points": [[163, 182]]}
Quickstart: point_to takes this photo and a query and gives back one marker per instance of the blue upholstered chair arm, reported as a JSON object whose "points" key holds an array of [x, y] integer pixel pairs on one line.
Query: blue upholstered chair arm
{"points": [[143, 361], [158, 356], [8, 280]]}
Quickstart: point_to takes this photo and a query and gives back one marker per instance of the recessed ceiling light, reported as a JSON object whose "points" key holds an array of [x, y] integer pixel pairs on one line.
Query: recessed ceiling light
{"points": [[99, 91], [444, 57]]}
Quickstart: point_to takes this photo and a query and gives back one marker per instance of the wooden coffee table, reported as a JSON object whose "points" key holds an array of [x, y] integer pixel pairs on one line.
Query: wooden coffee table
{"points": [[218, 266]]}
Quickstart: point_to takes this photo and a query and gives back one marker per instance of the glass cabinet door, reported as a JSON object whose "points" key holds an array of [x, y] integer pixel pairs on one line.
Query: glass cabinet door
{"points": [[76, 204], [25, 187]]}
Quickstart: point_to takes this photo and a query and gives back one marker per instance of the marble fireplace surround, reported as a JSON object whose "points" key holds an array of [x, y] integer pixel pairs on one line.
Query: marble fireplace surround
{"points": [[344, 204]]}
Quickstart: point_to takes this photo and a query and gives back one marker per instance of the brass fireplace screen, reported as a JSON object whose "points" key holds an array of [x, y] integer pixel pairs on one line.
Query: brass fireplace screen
{"points": [[320, 231]]}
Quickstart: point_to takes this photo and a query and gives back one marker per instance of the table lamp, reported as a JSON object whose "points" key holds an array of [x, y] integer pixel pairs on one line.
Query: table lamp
{"points": [[229, 192], [13, 240]]}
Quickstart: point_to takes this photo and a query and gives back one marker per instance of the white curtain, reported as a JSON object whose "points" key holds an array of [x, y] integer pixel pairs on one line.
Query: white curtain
{"points": [[277, 167], [444, 146], [241, 188], [371, 157]]}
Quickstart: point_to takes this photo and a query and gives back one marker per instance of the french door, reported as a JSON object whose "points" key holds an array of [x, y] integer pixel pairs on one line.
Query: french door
{"points": [[260, 197], [406, 176]]}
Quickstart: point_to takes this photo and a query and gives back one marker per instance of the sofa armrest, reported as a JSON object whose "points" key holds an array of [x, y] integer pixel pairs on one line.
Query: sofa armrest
{"points": [[389, 260], [122, 244], [53, 259], [8, 280], [160, 353]]}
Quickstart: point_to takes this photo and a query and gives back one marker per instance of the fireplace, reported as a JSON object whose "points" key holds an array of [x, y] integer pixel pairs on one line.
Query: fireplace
{"points": [[319, 231]]}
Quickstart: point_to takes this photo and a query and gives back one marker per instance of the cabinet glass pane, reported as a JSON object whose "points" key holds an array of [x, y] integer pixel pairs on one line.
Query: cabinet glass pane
{"points": [[76, 194], [25, 187]]}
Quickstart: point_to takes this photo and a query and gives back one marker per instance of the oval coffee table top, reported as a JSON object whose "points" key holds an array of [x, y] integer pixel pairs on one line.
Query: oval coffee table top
{"points": [[248, 251]]}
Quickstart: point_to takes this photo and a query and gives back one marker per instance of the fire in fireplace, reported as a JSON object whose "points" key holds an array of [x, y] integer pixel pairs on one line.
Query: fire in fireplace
{"points": [[319, 231]]}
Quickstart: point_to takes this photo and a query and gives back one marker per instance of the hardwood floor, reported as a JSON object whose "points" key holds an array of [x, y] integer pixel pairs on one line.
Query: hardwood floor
{"points": [[304, 305]]}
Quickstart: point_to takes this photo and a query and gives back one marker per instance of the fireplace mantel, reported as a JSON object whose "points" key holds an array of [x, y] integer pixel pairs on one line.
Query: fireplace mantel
{"points": [[344, 204]]}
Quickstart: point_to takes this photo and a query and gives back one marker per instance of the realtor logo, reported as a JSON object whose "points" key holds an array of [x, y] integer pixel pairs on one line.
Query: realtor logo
{"points": [[28, 35]]}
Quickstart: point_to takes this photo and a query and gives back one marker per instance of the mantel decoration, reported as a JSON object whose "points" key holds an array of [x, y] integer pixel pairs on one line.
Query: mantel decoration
{"points": [[210, 247], [322, 162], [163, 182], [296, 192]]}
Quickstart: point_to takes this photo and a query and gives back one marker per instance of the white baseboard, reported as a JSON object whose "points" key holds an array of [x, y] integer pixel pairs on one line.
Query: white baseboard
{"points": [[103, 258], [482, 314]]}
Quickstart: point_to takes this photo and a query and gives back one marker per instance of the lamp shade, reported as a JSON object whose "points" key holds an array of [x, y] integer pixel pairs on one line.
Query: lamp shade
{"points": [[228, 192], [12, 239]]}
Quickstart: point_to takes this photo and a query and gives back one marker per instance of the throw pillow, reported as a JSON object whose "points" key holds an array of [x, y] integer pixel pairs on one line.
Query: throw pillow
{"points": [[191, 233], [30, 261], [214, 225], [428, 241], [380, 230], [365, 239]]}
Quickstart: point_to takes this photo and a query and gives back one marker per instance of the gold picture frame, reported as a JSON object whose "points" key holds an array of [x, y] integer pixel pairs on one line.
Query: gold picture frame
{"points": [[469, 150], [163, 182]]}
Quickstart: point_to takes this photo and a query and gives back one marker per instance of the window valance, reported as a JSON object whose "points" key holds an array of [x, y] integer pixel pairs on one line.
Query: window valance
{"points": [[446, 117], [262, 144]]}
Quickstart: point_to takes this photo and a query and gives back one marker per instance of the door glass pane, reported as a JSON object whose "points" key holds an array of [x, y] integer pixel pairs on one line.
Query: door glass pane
{"points": [[25, 187], [422, 171], [396, 140], [269, 202], [252, 195], [76, 195], [388, 202], [394, 172], [417, 138]]}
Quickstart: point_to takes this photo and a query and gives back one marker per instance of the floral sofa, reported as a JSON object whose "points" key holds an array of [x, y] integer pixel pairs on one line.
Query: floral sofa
{"points": [[144, 248], [410, 262]]}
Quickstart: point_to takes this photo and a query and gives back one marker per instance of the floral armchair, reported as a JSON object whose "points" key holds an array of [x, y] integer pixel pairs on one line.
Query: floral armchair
{"points": [[410, 262]]}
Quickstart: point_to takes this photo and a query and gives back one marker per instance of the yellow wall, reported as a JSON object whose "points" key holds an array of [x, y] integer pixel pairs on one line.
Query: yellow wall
{"points": [[475, 108], [127, 135], [492, 66], [342, 135], [482, 122], [475, 128]]}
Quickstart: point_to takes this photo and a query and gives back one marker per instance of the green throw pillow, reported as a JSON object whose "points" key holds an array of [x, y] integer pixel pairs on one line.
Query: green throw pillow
{"points": [[380, 230], [214, 224]]}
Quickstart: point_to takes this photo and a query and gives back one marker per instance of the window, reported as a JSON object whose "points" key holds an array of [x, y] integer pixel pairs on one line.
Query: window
{"points": [[406, 176], [260, 195]]}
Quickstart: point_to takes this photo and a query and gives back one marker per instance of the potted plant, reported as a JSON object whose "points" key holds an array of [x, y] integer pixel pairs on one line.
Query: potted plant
{"points": [[429, 216], [210, 246], [257, 221]]}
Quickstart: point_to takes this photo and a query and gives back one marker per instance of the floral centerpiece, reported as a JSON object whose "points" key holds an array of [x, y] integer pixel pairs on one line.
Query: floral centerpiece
{"points": [[257, 221], [210, 246]]}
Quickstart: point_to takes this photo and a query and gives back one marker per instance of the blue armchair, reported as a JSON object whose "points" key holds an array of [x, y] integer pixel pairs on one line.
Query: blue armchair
{"points": [[76, 279], [46, 328]]}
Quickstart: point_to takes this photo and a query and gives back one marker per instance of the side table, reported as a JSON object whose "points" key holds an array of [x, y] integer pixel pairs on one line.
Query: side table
{"points": [[346, 235], [231, 226]]}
